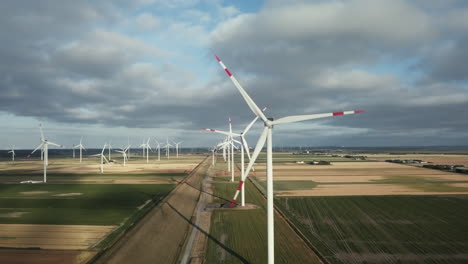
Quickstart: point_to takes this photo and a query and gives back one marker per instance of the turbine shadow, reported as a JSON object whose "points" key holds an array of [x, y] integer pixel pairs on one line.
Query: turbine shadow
{"points": [[211, 194], [229, 250]]}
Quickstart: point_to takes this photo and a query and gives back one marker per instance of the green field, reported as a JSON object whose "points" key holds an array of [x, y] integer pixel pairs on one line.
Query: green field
{"points": [[240, 236], [383, 229], [96, 204]]}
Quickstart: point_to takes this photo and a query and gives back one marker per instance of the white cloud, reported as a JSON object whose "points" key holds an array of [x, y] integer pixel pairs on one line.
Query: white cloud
{"points": [[147, 22]]}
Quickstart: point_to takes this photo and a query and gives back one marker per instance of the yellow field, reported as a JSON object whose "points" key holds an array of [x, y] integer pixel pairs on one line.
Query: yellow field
{"points": [[52, 236], [367, 178]]}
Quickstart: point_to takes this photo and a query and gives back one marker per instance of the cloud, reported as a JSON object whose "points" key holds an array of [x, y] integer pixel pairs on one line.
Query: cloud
{"points": [[147, 22]]}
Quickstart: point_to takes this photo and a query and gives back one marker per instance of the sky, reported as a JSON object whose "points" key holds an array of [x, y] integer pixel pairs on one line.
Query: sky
{"points": [[119, 71]]}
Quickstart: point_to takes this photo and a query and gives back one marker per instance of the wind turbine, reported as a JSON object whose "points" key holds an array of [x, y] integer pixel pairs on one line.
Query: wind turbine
{"points": [[12, 151], [167, 146], [81, 147], [158, 146], [110, 148], [177, 148], [44, 146], [266, 137], [244, 147], [124, 153], [103, 157], [146, 146], [129, 146]]}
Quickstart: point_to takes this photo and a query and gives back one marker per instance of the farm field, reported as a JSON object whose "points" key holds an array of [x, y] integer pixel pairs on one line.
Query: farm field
{"points": [[448, 159], [78, 211], [239, 236], [89, 165], [361, 178], [383, 229], [279, 157]]}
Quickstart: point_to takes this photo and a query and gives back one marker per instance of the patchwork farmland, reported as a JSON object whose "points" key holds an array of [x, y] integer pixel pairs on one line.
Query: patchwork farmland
{"points": [[78, 212]]}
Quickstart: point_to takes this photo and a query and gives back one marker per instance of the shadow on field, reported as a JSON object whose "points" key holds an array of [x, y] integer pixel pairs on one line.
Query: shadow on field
{"points": [[229, 250], [211, 194]]}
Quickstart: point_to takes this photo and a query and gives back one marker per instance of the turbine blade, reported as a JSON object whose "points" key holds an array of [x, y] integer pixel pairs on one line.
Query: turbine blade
{"points": [[249, 126], [244, 94], [221, 132], [54, 144], [291, 119], [38, 147], [42, 132], [246, 147], [260, 143]]}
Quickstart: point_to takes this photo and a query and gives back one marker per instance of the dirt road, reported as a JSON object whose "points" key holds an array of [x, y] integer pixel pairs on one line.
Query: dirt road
{"points": [[160, 236]]}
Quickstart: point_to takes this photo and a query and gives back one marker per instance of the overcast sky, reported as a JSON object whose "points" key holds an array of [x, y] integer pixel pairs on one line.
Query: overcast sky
{"points": [[110, 70]]}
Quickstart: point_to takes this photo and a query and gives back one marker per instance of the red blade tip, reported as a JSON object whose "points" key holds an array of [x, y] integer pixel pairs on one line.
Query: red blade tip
{"points": [[359, 111], [217, 58]]}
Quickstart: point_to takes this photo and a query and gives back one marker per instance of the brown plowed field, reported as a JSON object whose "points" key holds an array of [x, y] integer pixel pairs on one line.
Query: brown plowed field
{"points": [[31, 256], [51, 236]]}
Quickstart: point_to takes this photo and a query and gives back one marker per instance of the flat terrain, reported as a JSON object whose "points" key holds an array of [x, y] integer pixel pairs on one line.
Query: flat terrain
{"points": [[159, 237], [449, 159], [239, 235], [33, 256], [383, 229], [361, 178], [79, 210], [52, 236]]}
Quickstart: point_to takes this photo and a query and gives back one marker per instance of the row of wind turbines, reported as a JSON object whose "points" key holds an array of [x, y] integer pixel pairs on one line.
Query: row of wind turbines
{"points": [[266, 137], [44, 147]]}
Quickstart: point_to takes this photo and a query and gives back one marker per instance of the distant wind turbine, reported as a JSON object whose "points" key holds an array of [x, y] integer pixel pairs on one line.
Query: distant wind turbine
{"points": [[44, 146], [103, 157], [12, 151]]}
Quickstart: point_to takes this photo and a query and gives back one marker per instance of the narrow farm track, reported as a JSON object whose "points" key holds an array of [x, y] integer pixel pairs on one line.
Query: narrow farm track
{"points": [[160, 235]]}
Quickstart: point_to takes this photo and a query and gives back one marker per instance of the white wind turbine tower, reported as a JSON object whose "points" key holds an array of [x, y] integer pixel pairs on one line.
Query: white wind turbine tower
{"points": [[129, 146], [103, 157], [168, 148], [177, 147], [146, 146], [266, 136], [44, 146], [158, 146], [124, 153], [12, 151], [110, 148], [81, 147]]}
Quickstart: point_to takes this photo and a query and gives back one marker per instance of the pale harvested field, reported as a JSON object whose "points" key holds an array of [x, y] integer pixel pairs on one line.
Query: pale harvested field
{"points": [[448, 159], [31, 256], [348, 172], [362, 189], [185, 163], [93, 179], [64, 237]]}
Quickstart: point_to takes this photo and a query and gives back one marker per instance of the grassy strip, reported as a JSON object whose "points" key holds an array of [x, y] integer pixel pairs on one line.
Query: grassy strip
{"points": [[347, 229]]}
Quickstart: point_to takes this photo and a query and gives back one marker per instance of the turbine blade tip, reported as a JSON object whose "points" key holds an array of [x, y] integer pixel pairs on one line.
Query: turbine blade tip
{"points": [[217, 58], [358, 111]]}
